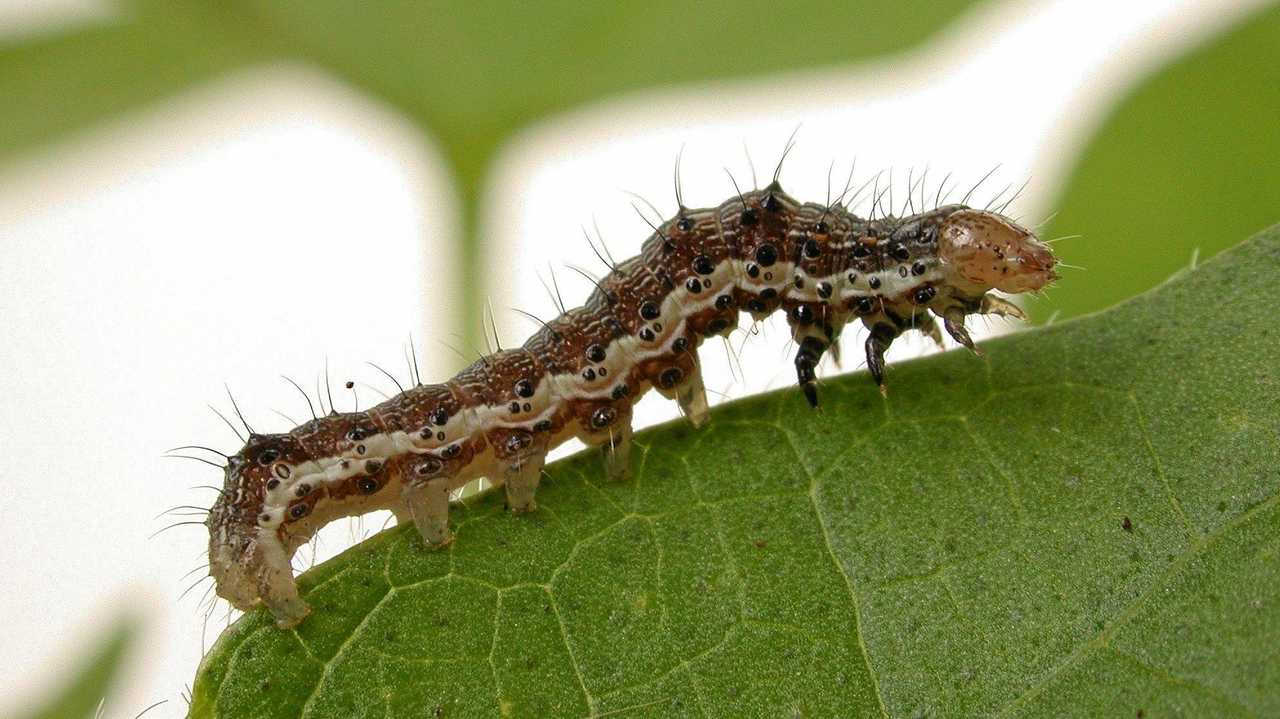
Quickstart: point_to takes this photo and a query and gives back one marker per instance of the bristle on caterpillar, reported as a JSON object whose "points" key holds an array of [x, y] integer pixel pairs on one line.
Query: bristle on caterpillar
{"points": [[581, 373]]}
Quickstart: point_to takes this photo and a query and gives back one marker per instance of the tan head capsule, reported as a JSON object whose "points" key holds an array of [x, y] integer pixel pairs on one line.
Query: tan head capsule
{"points": [[991, 251]]}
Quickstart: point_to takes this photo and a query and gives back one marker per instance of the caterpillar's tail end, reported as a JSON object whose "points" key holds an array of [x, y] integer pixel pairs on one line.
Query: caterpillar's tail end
{"points": [[290, 613], [250, 564], [254, 576]]}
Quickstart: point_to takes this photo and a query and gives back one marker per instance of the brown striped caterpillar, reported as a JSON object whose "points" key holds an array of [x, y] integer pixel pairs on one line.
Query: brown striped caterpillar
{"points": [[581, 373]]}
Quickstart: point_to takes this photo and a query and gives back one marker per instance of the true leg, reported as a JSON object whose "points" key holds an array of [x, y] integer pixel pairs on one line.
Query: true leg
{"points": [[929, 328], [953, 321], [992, 305], [811, 350], [882, 335], [834, 351]]}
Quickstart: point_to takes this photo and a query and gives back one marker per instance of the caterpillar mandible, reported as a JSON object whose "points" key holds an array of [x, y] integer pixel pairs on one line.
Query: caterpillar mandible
{"points": [[581, 373]]}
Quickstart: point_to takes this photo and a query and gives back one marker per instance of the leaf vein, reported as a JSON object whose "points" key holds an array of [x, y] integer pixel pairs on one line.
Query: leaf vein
{"points": [[1104, 635], [1155, 458], [848, 583], [328, 666], [573, 659]]}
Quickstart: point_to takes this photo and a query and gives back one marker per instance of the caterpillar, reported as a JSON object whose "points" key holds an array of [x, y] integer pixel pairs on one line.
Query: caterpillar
{"points": [[580, 374]]}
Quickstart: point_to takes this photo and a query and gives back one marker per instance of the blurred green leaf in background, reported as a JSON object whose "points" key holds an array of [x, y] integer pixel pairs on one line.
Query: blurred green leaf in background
{"points": [[1187, 163], [87, 688], [1192, 155], [470, 74]]}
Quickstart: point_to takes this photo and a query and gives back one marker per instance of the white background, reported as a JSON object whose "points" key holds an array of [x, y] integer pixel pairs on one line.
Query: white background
{"points": [[276, 219]]}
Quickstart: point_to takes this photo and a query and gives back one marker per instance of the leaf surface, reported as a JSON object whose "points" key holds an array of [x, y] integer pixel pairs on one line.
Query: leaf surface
{"points": [[1086, 522]]}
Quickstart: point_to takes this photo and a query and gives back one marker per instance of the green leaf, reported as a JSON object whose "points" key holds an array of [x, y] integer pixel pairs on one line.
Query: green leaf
{"points": [[470, 74], [81, 695], [1084, 523], [1187, 163], [64, 83], [473, 74]]}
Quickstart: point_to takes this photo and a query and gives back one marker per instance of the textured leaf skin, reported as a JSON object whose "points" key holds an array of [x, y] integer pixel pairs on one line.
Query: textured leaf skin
{"points": [[1084, 523]]}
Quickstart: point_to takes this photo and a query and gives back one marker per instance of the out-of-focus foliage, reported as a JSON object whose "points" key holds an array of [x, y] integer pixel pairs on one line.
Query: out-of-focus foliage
{"points": [[1188, 162], [85, 689], [1192, 155], [469, 73], [52, 85]]}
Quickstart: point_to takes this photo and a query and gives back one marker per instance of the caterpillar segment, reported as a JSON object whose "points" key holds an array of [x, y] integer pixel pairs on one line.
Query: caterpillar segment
{"points": [[581, 373]]}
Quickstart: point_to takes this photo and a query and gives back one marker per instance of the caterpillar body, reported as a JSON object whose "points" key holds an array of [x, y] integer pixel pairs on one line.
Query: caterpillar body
{"points": [[581, 373]]}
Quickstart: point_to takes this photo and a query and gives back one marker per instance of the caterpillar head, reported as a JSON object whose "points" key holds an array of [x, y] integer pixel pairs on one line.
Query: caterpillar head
{"points": [[992, 251], [247, 559]]}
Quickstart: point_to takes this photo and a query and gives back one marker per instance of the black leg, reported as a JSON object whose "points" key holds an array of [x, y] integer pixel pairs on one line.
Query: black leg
{"points": [[881, 337], [811, 349]]}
